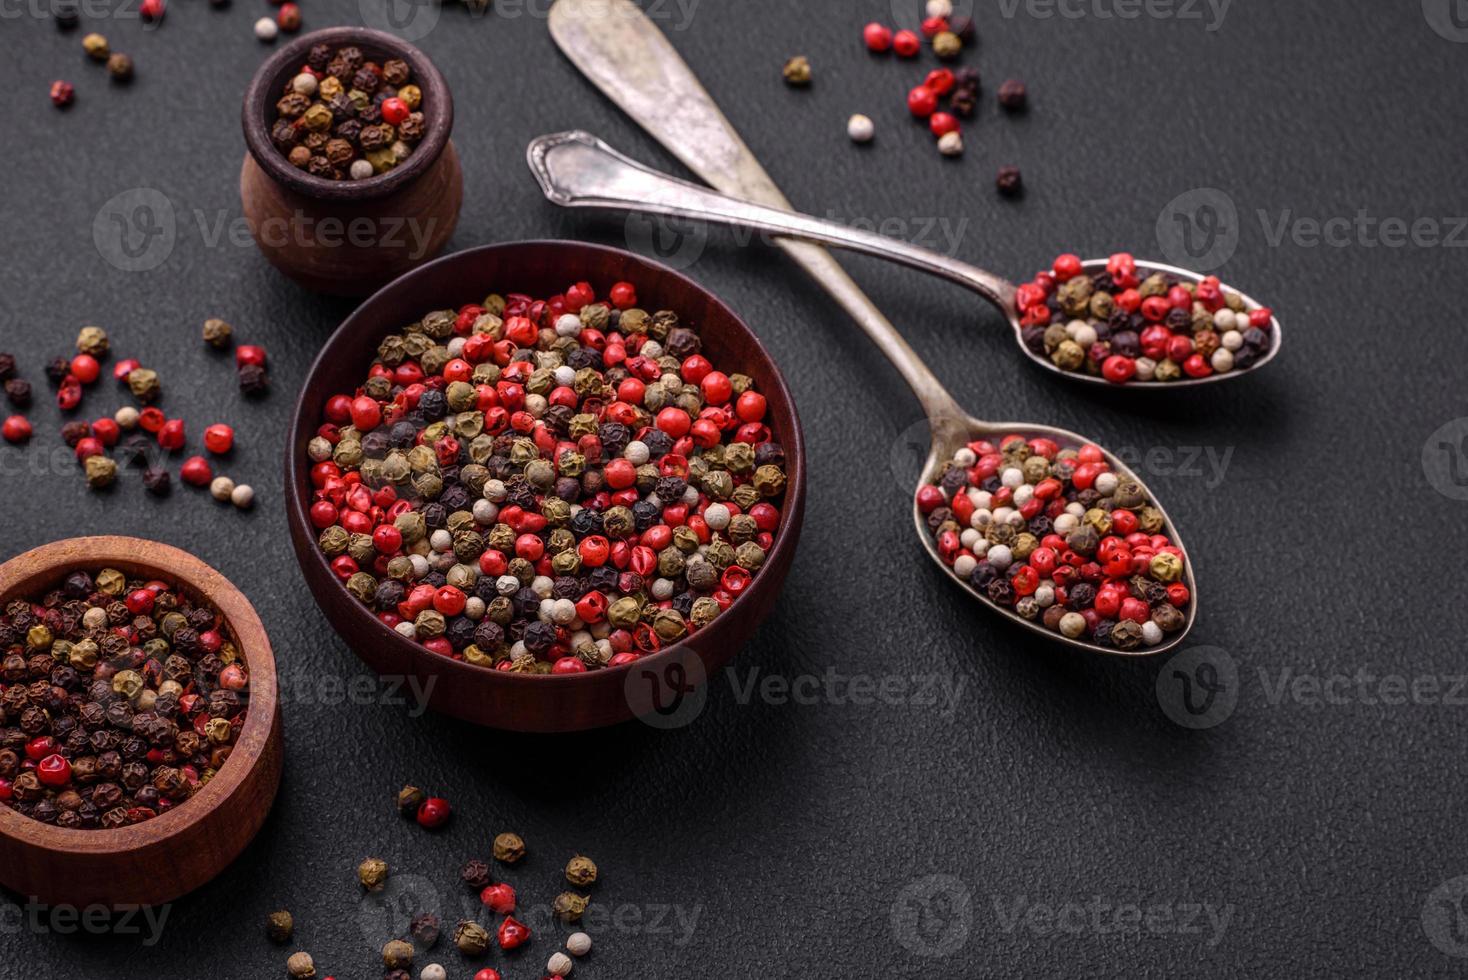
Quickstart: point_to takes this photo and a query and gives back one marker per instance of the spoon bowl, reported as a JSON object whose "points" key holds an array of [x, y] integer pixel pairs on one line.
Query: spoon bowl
{"points": [[952, 433], [576, 169]]}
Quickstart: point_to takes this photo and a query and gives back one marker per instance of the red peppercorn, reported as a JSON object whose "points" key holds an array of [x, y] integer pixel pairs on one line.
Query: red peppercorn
{"points": [[922, 101], [219, 438], [17, 429], [387, 539], [750, 407], [434, 812], [487, 973], [942, 123], [40, 747], [366, 413], [123, 368], [1155, 308], [85, 368], [1262, 318], [929, 498], [151, 10], [1179, 347], [499, 898], [877, 37], [288, 18], [513, 934], [1197, 366], [88, 446], [249, 354], [933, 26], [197, 472], [107, 431], [941, 80], [171, 435], [906, 44], [6, 791], [54, 770], [139, 602], [394, 111], [1067, 267], [568, 665], [151, 419], [69, 395], [449, 600], [1118, 369], [62, 94]]}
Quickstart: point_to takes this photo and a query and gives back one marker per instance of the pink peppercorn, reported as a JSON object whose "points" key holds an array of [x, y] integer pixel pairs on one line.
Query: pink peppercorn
{"points": [[877, 37]]}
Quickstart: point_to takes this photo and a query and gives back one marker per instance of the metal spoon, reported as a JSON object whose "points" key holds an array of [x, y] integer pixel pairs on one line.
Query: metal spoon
{"points": [[577, 170], [629, 59]]}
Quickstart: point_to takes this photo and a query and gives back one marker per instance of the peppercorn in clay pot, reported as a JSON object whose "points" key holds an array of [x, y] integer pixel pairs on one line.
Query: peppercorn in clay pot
{"points": [[351, 178], [527, 489], [140, 740]]}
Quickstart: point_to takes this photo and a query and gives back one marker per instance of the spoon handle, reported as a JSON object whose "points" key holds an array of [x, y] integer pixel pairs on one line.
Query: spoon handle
{"points": [[577, 170]]}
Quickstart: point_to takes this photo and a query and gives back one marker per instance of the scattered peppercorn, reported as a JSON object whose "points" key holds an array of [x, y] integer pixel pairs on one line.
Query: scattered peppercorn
{"points": [[266, 29], [947, 45], [860, 128], [409, 799], [508, 848], [300, 966], [471, 938], [157, 481], [581, 871], [217, 333], [797, 71], [144, 384], [288, 17], [1009, 182], [1129, 324], [136, 689], [529, 468], [120, 67], [18, 390], [67, 14], [950, 144], [569, 907], [1013, 96], [434, 813], [372, 874], [1055, 535], [558, 965], [63, 94], [397, 955], [578, 944], [17, 429], [95, 45], [425, 930], [280, 926], [101, 471]]}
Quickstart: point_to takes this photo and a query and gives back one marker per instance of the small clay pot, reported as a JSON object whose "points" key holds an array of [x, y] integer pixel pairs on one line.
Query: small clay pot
{"points": [[349, 237]]}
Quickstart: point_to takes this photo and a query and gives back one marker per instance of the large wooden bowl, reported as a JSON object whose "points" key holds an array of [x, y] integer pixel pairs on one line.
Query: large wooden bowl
{"points": [[522, 702], [160, 859]]}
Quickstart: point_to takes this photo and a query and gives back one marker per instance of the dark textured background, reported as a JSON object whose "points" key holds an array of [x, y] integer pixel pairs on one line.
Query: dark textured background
{"points": [[805, 837]]}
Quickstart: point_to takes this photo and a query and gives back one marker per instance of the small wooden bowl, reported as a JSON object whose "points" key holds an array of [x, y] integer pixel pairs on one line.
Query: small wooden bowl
{"points": [[304, 224], [522, 702], [160, 859]]}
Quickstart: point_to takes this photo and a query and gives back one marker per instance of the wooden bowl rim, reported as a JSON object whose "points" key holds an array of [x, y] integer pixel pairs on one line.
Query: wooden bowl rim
{"points": [[264, 90], [297, 475], [45, 563]]}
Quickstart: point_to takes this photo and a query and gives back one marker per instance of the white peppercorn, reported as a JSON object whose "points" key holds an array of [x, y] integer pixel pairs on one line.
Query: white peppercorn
{"points": [[558, 965], [221, 488], [578, 944]]}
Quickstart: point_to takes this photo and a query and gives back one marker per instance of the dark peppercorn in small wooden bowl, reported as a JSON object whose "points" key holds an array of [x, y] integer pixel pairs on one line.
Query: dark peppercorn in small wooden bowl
{"points": [[349, 237], [521, 702], [170, 855]]}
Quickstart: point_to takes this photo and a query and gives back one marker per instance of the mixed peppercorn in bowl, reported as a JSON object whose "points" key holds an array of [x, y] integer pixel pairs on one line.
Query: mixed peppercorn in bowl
{"points": [[546, 482]]}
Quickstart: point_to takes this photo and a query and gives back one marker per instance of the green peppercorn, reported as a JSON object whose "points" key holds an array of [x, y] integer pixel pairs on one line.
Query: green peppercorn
{"points": [[144, 384], [1166, 567], [797, 71], [397, 955], [668, 624], [96, 47], [581, 871], [372, 873], [471, 938], [279, 926], [947, 45], [1168, 617], [93, 341], [100, 471], [569, 907], [217, 333]]}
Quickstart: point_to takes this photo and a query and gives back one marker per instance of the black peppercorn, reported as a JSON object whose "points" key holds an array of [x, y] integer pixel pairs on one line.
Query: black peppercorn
{"points": [[57, 369], [475, 875], [7, 366], [1010, 182], [157, 481], [67, 14], [253, 380], [1013, 96], [18, 390], [425, 929]]}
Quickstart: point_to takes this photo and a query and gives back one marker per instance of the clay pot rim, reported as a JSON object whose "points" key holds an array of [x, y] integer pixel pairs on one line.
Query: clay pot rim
{"points": [[258, 114], [41, 568], [365, 320]]}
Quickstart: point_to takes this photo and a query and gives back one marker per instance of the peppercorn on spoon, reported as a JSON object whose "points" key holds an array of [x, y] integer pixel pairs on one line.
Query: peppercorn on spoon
{"points": [[577, 170], [624, 54]]}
